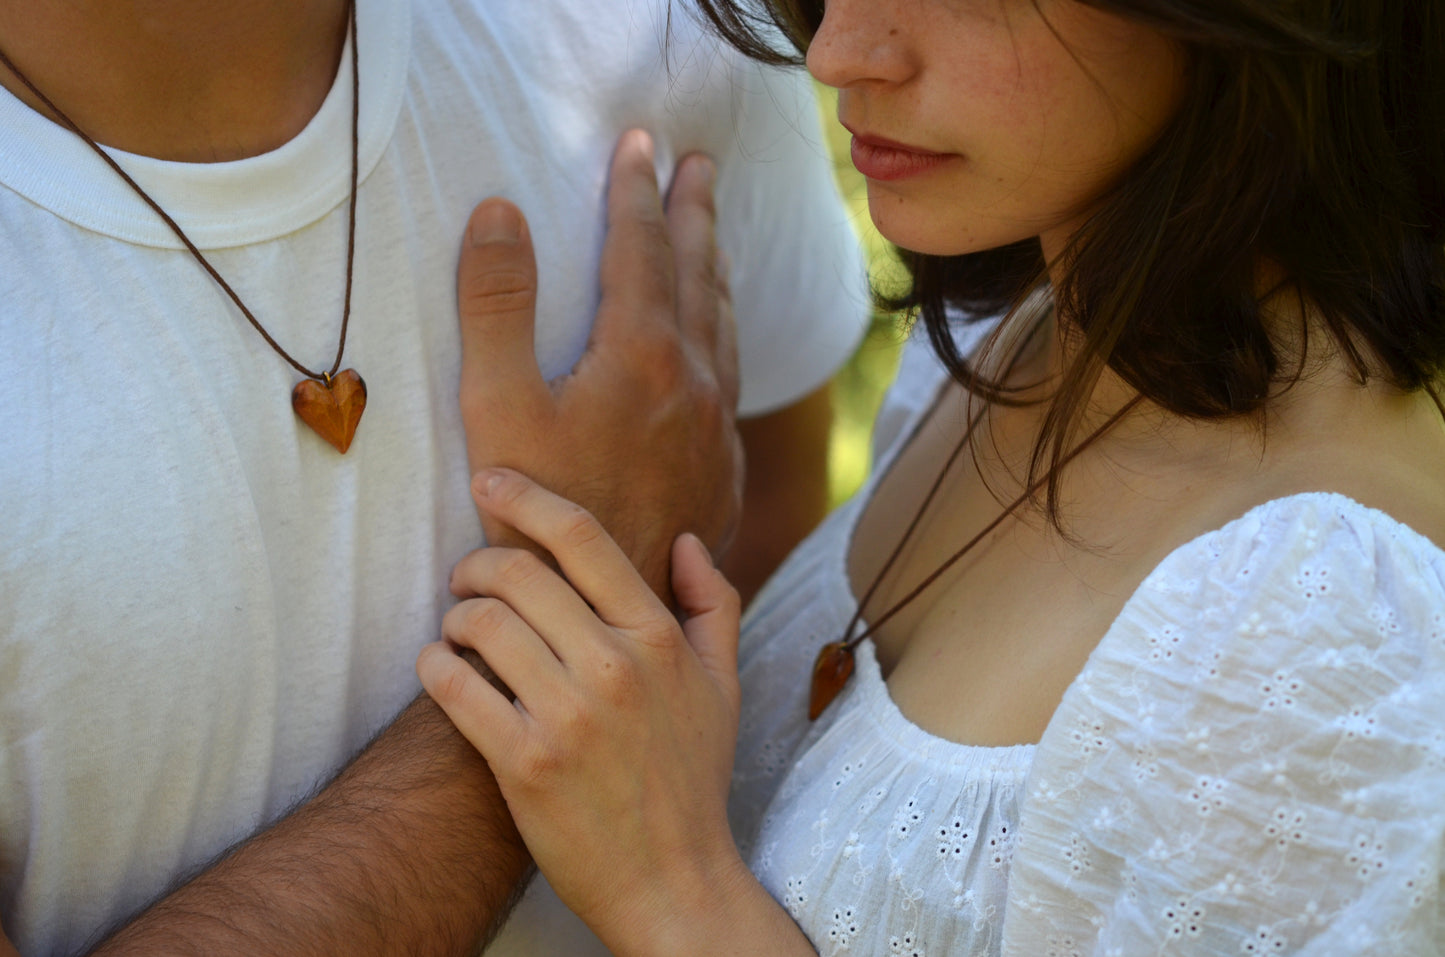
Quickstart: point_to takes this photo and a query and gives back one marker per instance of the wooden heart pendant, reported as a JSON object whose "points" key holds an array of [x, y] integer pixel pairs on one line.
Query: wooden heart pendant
{"points": [[831, 671], [331, 409]]}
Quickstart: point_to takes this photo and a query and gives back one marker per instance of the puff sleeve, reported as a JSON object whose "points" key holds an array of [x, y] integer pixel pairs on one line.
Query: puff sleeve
{"points": [[1253, 760]]}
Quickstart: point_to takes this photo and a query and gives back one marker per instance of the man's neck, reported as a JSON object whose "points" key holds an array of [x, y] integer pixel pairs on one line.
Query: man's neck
{"points": [[198, 81]]}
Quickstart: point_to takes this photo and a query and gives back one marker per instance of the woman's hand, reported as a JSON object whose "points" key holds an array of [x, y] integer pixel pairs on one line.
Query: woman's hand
{"points": [[616, 755]]}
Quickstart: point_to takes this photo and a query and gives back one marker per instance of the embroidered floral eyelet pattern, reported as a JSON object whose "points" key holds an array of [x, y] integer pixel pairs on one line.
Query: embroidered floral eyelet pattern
{"points": [[1367, 856], [770, 758], [795, 898], [844, 927], [905, 946], [1063, 946], [1313, 582], [845, 773], [908, 818], [1251, 762], [1207, 795], [1000, 847], [1088, 735], [853, 846], [1163, 645], [1416, 887], [1357, 723], [1077, 855], [1279, 691], [1264, 941], [954, 839], [1183, 919], [1146, 763], [1286, 826], [1283, 741], [872, 847]]}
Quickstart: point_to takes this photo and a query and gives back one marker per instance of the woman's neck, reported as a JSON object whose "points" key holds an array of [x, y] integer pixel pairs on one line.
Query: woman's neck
{"points": [[1303, 345], [188, 80]]}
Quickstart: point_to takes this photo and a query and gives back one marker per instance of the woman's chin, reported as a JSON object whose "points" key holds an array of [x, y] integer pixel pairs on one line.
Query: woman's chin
{"points": [[927, 233], [928, 244]]}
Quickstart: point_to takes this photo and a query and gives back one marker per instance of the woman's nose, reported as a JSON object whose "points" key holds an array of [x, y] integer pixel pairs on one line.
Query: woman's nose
{"points": [[861, 41]]}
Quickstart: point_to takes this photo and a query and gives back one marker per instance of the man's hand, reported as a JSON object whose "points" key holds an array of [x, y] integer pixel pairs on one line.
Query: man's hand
{"points": [[642, 432]]}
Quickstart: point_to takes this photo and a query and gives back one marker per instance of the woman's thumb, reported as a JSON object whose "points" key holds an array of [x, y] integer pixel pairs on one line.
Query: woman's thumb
{"points": [[710, 604]]}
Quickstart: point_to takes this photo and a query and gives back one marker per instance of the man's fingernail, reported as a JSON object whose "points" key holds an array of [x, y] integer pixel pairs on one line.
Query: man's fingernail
{"points": [[495, 222], [642, 140], [707, 169]]}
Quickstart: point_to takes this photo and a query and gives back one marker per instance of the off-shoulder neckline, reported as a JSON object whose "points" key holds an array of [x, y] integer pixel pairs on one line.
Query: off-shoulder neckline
{"points": [[848, 599]]}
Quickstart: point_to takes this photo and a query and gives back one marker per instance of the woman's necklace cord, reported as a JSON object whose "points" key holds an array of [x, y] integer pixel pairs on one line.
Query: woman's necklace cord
{"points": [[835, 662]]}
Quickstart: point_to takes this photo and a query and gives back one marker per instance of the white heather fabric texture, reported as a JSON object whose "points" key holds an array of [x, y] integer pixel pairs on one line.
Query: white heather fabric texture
{"points": [[204, 610], [1251, 762]]}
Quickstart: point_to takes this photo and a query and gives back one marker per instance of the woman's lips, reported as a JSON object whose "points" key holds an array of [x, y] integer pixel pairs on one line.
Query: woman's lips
{"points": [[886, 160]]}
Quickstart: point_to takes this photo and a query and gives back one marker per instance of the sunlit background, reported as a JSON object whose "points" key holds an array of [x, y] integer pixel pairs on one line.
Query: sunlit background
{"points": [[861, 383]]}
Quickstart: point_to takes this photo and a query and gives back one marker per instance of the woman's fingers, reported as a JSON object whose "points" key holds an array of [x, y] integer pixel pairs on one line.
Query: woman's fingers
{"points": [[712, 608], [592, 562], [481, 713], [617, 712], [514, 650], [536, 597]]}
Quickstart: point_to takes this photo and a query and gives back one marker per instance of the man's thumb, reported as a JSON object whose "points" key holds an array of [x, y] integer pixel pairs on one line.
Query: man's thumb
{"points": [[497, 304]]}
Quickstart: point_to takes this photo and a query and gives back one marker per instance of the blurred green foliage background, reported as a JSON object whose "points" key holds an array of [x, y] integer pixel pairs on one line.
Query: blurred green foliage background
{"points": [[859, 385]]}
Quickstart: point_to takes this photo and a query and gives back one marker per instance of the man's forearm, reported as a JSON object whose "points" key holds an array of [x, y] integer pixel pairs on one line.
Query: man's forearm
{"points": [[410, 850]]}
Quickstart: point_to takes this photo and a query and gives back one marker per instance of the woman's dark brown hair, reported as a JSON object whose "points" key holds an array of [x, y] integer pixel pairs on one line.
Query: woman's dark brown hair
{"points": [[1311, 136]]}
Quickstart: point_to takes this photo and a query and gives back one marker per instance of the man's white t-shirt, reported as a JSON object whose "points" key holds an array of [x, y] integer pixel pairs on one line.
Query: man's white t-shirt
{"points": [[204, 610]]}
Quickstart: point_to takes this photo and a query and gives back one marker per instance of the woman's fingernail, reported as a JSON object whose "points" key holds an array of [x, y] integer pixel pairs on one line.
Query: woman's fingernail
{"points": [[701, 549], [484, 483]]}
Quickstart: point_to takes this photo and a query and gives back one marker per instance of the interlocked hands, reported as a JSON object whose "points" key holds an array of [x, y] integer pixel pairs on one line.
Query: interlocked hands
{"points": [[616, 754]]}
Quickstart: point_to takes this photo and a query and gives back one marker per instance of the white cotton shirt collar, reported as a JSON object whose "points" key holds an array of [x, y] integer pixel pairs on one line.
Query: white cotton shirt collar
{"points": [[284, 189]]}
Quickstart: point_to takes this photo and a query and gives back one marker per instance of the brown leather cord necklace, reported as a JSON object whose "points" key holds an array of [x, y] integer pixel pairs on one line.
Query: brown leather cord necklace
{"points": [[834, 664], [330, 403]]}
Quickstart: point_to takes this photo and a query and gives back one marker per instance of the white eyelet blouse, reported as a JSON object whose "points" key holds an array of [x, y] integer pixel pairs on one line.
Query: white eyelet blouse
{"points": [[1251, 762]]}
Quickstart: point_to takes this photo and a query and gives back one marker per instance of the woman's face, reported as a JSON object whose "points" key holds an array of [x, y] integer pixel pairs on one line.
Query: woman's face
{"points": [[983, 122]]}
